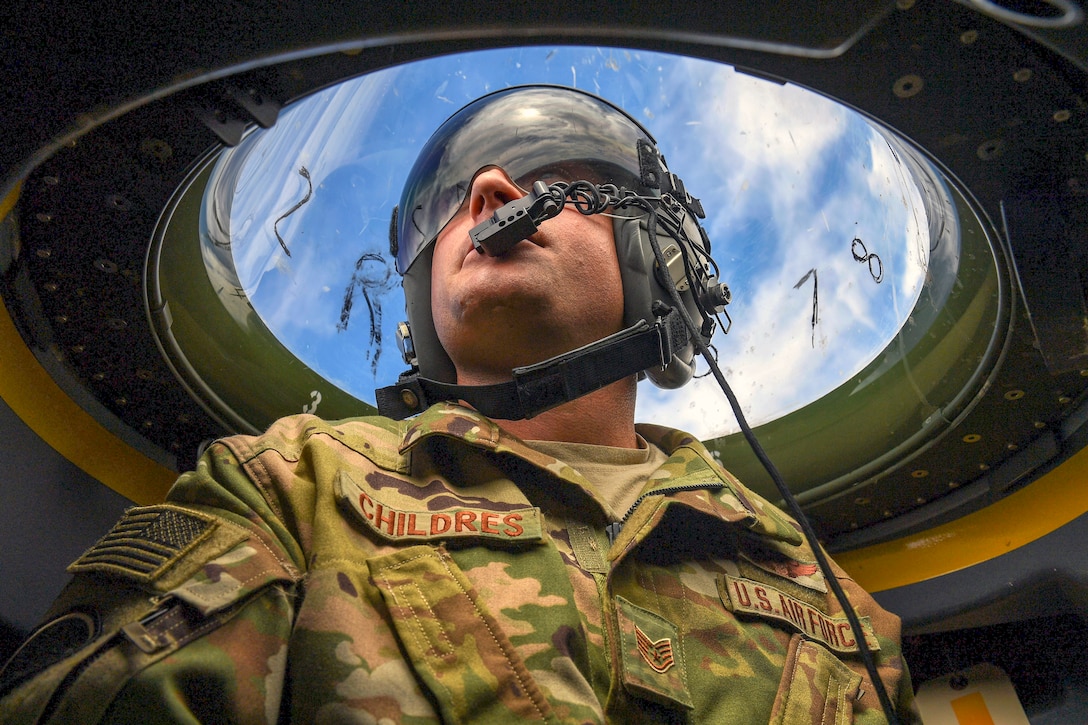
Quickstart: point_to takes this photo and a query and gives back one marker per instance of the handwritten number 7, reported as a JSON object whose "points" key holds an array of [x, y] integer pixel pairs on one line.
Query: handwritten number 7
{"points": [[815, 299]]}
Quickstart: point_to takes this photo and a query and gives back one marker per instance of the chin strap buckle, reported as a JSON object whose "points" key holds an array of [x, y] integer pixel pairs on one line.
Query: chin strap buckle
{"points": [[544, 385]]}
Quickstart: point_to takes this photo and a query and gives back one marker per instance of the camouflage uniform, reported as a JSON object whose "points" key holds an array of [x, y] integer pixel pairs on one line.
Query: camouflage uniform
{"points": [[380, 572]]}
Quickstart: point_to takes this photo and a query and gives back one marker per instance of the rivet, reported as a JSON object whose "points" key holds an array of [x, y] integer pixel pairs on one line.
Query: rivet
{"points": [[156, 148], [908, 85], [990, 149], [143, 374], [60, 319], [50, 180], [44, 253], [77, 349], [984, 467], [99, 377], [1014, 395], [904, 4], [861, 501], [50, 286], [409, 399], [1013, 447], [919, 500], [116, 323], [953, 484], [1022, 76], [175, 446], [1040, 424], [920, 473], [853, 524], [1064, 399], [105, 265], [968, 36], [116, 201], [148, 424], [972, 438], [43, 217], [887, 514], [122, 400], [1062, 115], [1084, 373]]}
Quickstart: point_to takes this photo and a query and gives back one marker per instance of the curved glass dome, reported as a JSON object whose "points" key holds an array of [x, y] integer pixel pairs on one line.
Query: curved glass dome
{"points": [[844, 249]]}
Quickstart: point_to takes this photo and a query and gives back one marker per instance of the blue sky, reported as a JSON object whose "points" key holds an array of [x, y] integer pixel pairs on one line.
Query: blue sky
{"points": [[787, 177]]}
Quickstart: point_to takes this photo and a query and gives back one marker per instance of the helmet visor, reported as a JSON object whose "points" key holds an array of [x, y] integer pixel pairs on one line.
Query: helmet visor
{"points": [[535, 133]]}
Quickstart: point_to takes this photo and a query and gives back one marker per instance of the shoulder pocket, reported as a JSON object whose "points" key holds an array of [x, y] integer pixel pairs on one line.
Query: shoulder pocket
{"points": [[80, 683], [816, 687], [454, 643]]}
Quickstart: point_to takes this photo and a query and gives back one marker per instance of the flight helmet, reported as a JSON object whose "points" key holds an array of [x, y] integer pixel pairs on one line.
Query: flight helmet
{"points": [[556, 134]]}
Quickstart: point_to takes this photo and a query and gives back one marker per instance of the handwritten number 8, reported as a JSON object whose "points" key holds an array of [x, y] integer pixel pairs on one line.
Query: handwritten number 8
{"points": [[861, 254]]}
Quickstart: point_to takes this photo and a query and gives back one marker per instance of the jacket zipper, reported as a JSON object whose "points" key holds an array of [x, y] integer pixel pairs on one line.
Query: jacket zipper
{"points": [[613, 529], [611, 618]]}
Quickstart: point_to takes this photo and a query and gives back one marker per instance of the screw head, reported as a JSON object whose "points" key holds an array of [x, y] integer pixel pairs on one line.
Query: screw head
{"points": [[410, 399]]}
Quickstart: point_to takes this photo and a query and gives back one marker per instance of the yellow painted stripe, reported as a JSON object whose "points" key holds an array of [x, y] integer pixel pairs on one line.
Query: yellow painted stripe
{"points": [[971, 710], [1018, 519], [29, 390], [8, 202]]}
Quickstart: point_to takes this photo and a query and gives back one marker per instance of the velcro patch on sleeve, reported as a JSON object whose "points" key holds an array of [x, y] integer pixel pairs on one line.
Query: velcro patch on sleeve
{"points": [[760, 599], [146, 541], [518, 525]]}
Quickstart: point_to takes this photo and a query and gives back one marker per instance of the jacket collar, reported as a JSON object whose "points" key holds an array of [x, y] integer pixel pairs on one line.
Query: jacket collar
{"points": [[691, 476]]}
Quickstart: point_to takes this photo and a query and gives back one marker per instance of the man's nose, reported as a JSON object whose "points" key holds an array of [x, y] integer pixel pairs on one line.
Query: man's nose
{"points": [[491, 189]]}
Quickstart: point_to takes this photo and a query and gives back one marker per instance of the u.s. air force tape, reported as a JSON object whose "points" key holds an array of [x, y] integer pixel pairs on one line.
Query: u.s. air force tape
{"points": [[760, 599], [516, 525]]}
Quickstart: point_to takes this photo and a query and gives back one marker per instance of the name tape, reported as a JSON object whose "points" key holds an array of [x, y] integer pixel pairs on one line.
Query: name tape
{"points": [[769, 602], [392, 523]]}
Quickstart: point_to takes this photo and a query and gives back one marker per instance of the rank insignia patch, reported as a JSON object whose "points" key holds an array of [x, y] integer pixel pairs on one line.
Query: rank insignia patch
{"points": [[652, 655], [657, 654], [145, 541]]}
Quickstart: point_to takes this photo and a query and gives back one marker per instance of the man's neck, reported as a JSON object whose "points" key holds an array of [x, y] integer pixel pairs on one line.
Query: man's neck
{"points": [[604, 417]]}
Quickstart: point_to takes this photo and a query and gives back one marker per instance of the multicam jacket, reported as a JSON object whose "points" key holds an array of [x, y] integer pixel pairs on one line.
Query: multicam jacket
{"points": [[439, 569]]}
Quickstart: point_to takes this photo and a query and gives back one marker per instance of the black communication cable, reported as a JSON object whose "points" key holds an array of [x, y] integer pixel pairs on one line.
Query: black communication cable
{"points": [[546, 202], [588, 199], [764, 459]]}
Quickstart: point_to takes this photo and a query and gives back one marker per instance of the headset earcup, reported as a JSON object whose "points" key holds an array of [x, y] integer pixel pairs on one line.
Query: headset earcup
{"points": [[641, 288]]}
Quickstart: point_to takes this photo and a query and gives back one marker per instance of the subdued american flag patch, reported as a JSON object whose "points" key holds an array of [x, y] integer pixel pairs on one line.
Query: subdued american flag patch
{"points": [[145, 541]]}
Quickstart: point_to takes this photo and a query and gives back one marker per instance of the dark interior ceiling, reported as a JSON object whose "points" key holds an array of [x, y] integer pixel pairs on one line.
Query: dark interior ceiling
{"points": [[105, 107]]}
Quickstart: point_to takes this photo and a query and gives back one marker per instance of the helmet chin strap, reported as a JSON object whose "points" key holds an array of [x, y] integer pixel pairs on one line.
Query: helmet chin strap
{"points": [[552, 382]]}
